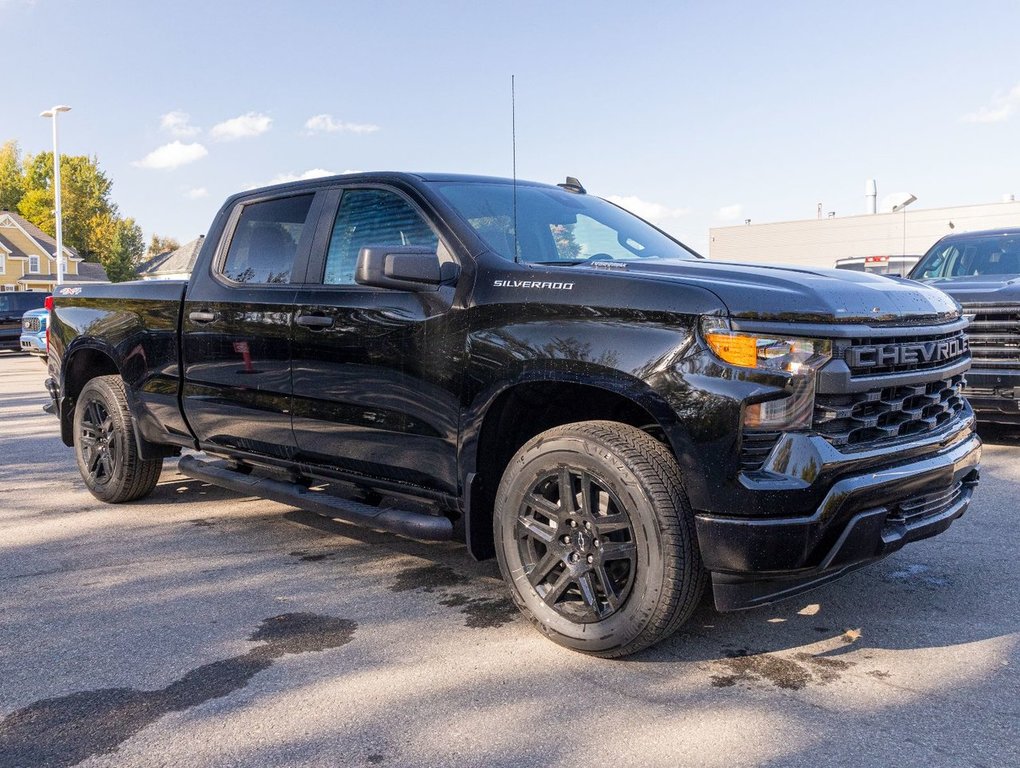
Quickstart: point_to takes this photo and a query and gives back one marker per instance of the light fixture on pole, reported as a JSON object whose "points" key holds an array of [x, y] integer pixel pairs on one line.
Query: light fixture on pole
{"points": [[52, 113], [900, 203]]}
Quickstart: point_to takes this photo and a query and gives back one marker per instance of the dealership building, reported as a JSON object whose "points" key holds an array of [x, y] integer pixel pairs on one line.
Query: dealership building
{"points": [[820, 242]]}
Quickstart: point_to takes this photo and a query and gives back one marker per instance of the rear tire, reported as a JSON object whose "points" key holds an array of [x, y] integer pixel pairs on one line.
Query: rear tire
{"points": [[611, 566], [105, 446]]}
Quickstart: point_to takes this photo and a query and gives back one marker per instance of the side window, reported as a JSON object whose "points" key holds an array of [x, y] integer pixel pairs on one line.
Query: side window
{"points": [[265, 241], [371, 217], [942, 263]]}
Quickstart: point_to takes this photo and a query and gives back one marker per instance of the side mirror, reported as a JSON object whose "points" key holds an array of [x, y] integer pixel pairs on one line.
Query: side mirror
{"points": [[403, 267]]}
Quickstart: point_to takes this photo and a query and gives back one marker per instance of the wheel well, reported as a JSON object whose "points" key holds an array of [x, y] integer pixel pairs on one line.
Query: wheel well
{"points": [[81, 368], [518, 415]]}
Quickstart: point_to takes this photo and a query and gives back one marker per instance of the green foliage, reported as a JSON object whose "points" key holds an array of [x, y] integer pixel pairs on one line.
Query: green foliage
{"points": [[127, 249], [89, 215], [92, 225], [12, 179], [159, 244]]}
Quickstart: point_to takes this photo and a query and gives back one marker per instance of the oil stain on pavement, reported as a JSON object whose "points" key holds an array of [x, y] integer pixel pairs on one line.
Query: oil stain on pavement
{"points": [[793, 674], [480, 612], [64, 731]]}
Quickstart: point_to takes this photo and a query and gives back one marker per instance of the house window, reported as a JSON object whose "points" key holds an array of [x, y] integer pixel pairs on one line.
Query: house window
{"points": [[3, 264], [33, 264]]}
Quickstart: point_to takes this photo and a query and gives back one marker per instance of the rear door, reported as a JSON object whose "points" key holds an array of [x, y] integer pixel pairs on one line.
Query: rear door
{"points": [[376, 370], [237, 328]]}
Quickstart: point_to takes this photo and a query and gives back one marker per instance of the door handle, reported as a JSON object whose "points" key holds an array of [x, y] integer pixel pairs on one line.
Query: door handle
{"points": [[201, 317], [314, 321]]}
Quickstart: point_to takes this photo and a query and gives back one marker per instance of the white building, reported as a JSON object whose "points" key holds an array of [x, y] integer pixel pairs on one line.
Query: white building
{"points": [[820, 242]]}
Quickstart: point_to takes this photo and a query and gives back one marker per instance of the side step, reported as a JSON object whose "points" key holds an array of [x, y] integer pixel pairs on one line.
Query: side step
{"points": [[415, 525]]}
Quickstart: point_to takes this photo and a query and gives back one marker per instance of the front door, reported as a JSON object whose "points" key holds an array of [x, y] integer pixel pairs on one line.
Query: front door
{"points": [[237, 329], [377, 371]]}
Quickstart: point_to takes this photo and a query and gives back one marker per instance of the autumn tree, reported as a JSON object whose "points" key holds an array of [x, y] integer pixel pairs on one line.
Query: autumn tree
{"points": [[12, 178], [92, 225], [89, 216], [127, 247], [159, 244]]}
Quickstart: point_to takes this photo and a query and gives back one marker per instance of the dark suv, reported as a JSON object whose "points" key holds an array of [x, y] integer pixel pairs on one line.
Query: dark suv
{"points": [[981, 270], [12, 307]]}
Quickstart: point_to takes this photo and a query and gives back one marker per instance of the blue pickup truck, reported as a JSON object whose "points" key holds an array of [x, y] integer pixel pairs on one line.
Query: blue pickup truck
{"points": [[33, 332]]}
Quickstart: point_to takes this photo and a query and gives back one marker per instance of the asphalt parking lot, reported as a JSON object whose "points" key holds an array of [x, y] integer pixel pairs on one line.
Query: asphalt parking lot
{"points": [[199, 628]]}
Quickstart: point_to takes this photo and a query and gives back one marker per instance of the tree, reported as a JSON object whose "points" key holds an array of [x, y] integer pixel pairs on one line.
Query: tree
{"points": [[159, 244], [89, 217], [127, 247], [91, 222], [12, 178]]}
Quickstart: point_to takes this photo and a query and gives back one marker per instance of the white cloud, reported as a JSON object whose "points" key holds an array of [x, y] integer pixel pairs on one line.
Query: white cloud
{"points": [[179, 124], [241, 127], [329, 124], [197, 193], [653, 212], [1001, 108], [731, 212], [313, 173], [172, 155]]}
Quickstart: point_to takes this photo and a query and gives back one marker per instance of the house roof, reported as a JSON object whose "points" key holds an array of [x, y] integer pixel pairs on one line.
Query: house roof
{"points": [[47, 243], [89, 273], [176, 262]]}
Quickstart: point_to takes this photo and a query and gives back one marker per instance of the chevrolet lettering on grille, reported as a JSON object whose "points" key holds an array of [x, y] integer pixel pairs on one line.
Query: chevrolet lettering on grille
{"points": [[882, 355]]}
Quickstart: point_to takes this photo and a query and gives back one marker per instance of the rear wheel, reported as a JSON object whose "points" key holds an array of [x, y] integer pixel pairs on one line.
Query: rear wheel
{"points": [[105, 445], [596, 539]]}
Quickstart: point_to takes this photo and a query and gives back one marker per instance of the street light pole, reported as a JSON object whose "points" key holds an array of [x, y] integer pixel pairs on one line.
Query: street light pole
{"points": [[52, 113]]}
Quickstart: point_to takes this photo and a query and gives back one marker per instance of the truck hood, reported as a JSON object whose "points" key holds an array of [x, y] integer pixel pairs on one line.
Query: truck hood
{"points": [[980, 289], [802, 294]]}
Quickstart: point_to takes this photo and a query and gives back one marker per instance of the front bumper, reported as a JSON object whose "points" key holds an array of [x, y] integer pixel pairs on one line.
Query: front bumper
{"points": [[994, 395], [865, 516], [34, 343]]}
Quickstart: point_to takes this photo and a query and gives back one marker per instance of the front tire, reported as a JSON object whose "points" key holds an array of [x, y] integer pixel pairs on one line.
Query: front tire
{"points": [[105, 446], [596, 538]]}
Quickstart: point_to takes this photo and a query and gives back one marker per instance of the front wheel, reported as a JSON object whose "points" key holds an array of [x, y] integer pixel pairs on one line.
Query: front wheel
{"points": [[105, 446], [596, 539]]}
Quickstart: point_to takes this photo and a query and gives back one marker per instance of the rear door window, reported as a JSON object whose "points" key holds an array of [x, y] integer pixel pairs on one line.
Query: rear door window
{"points": [[265, 241]]}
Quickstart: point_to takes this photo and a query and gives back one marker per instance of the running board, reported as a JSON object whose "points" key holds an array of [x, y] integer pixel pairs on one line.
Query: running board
{"points": [[415, 525]]}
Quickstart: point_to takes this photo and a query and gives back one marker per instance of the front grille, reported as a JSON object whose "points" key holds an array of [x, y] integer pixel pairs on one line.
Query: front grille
{"points": [[918, 508], [878, 356], [31, 324], [994, 335], [755, 447], [886, 413]]}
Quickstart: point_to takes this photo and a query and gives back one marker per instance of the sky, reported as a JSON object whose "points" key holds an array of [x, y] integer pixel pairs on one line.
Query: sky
{"points": [[693, 114]]}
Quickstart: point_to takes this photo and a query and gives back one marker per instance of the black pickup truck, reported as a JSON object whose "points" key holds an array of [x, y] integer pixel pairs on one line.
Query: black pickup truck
{"points": [[981, 270], [537, 372]]}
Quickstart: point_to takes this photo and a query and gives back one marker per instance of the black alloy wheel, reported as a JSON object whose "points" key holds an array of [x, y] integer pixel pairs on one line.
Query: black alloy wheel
{"points": [[577, 545], [106, 446], [595, 538], [98, 446]]}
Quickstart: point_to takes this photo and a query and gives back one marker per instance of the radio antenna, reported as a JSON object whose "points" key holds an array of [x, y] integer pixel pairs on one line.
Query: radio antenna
{"points": [[513, 142]]}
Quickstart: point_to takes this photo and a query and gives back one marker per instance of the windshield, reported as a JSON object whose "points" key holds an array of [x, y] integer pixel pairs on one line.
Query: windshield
{"points": [[21, 301], [964, 257], [557, 227]]}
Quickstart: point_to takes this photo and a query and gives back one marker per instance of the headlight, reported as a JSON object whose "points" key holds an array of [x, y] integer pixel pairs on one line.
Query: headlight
{"points": [[798, 357]]}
